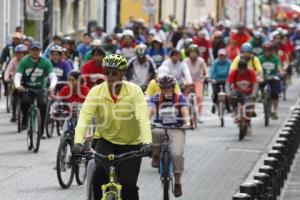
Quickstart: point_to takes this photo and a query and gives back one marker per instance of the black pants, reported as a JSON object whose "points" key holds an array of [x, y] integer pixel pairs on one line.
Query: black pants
{"points": [[27, 98], [127, 171], [274, 86]]}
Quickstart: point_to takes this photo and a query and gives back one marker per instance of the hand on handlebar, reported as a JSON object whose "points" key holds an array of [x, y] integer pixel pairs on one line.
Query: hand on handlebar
{"points": [[77, 148], [147, 149], [20, 89]]}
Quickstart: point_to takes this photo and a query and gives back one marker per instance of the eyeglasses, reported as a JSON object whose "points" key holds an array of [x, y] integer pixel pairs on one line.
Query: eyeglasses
{"points": [[111, 73]]}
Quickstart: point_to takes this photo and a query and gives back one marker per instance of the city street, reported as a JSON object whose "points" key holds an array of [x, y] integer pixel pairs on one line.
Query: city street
{"points": [[216, 163]]}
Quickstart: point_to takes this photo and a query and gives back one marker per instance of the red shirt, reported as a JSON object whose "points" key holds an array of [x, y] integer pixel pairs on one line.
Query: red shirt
{"points": [[282, 52], [69, 97], [232, 52], [93, 74], [240, 38], [204, 46], [242, 82]]}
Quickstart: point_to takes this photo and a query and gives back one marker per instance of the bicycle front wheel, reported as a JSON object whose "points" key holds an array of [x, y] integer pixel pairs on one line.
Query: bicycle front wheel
{"points": [[221, 113], [36, 127], [8, 102], [166, 174], [19, 117], [80, 171], [64, 164], [267, 113]]}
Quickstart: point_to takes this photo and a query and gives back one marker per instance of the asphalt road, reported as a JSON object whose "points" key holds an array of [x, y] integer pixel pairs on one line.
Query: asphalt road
{"points": [[216, 163]]}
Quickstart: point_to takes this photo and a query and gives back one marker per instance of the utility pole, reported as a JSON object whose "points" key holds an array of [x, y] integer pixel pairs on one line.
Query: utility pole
{"points": [[184, 12], [47, 23]]}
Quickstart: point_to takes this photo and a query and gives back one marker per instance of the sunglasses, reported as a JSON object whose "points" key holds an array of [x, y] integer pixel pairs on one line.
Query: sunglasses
{"points": [[111, 72]]}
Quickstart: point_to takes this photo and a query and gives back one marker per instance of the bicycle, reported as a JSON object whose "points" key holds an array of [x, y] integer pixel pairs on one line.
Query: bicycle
{"points": [[193, 104], [34, 128], [66, 162], [241, 119], [19, 117], [267, 98], [50, 121], [221, 103], [165, 164], [113, 189]]}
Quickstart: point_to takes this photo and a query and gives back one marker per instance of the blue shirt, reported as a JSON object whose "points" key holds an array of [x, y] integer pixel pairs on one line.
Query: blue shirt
{"points": [[171, 116], [83, 49], [220, 69], [157, 55], [62, 70]]}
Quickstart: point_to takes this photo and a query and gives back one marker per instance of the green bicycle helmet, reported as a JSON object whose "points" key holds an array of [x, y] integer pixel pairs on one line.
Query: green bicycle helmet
{"points": [[115, 61]]}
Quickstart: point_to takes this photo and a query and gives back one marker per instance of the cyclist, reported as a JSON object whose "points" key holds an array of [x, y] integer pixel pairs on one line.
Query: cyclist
{"points": [[119, 131], [217, 43], [199, 73], [127, 44], [271, 65], [257, 42], [218, 75], [85, 46], [157, 51], [141, 68], [204, 46], [241, 36], [253, 61], [187, 42], [75, 91], [232, 50], [65, 57], [20, 51], [109, 46], [241, 82], [95, 44], [92, 71], [34, 70], [280, 49], [69, 44], [169, 100], [180, 70], [56, 40], [61, 68], [153, 87]]}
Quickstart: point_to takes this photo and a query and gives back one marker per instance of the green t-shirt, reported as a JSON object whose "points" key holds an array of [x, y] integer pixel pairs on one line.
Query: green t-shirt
{"points": [[88, 56], [271, 65], [38, 79]]}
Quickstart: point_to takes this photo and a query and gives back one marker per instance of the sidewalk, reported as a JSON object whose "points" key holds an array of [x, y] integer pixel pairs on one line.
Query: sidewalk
{"points": [[291, 190]]}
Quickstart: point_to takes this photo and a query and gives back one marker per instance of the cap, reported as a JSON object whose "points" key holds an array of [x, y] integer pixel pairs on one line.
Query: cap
{"points": [[158, 39], [17, 35], [35, 45], [222, 52]]}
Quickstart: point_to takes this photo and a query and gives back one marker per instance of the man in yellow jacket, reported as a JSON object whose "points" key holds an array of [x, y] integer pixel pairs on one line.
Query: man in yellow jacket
{"points": [[253, 61], [123, 125]]}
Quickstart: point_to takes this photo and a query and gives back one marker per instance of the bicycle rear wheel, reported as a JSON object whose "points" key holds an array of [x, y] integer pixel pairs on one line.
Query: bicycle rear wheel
{"points": [[36, 127], [64, 163], [166, 174], [59, 126], [49, 122], [19, 117]]}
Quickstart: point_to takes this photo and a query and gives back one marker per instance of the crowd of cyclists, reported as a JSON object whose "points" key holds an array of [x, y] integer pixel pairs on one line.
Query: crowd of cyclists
{"points": [[138, 72]]}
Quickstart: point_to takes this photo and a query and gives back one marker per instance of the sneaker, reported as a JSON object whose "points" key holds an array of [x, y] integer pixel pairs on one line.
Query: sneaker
{"points": [[13, 119], [177, 190]]}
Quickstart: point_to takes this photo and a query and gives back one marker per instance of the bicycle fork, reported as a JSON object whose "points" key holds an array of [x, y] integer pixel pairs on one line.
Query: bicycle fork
{"points": [[165, 151]]}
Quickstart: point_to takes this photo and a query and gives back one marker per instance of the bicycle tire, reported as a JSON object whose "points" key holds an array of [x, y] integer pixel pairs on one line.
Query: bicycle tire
{"points": [[36, 130], [221, 114], [267, 114], [166, 174], [19, 118], [80, 178], [61, 162], [111, 196], [59, 127], [49, 123], [29, 140], [8, 102]]}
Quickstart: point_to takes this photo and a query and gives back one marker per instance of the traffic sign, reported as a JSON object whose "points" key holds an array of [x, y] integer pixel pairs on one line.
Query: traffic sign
{"points": [[35, 9]]}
